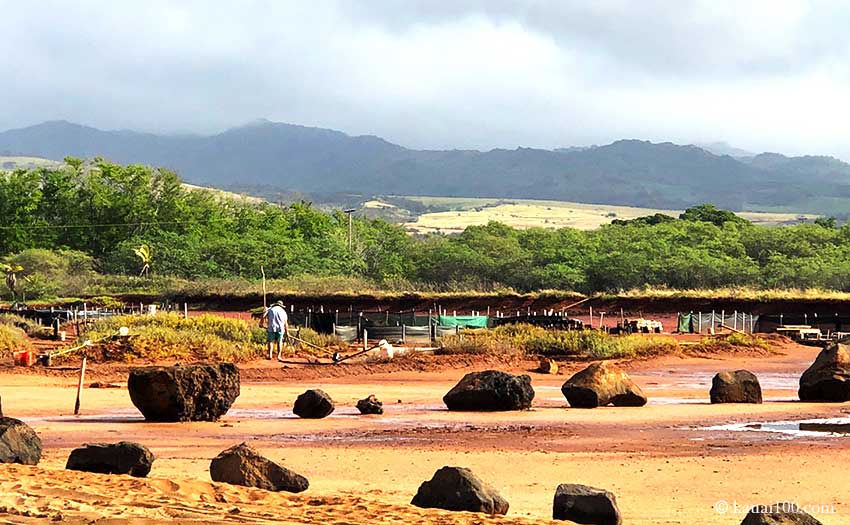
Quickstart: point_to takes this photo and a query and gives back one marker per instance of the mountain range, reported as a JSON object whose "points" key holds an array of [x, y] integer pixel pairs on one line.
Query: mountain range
{"points": [[292, 158]]}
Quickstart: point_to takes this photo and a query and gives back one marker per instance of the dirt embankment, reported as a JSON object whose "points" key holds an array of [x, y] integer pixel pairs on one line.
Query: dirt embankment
{"points": [[510, 304]]}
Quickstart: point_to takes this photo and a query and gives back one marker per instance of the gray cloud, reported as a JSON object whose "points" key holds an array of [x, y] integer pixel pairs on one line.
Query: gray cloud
{"points": [[764, 75]]}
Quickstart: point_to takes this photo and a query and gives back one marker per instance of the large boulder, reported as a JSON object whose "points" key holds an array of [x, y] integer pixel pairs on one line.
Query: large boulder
{"points": [[490, 390], [740, 386], [779, 514], [200, 392], [242, 465], [112, 458], [584, 504], [828, 379], [18, 442], [370, 405], [313, 404], [601, 384], [457, 488]]}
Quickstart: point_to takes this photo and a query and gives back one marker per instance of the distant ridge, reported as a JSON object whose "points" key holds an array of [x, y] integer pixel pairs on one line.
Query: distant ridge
{"points": [[722, 148], [305, 159]]}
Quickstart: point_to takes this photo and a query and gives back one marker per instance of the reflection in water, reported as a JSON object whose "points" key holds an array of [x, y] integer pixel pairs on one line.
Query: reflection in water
{"points": [[834, 427]]}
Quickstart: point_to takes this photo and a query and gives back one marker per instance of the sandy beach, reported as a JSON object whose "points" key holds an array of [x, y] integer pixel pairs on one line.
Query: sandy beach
{"points": [[677, 460]]}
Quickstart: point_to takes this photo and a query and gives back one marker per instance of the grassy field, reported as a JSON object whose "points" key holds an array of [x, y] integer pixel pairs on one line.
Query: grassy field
{"points": [[20, 162], [222, 194], [522, 213]]}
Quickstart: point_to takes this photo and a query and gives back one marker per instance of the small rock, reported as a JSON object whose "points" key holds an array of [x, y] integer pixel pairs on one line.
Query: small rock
{"points": [[242, 465], [18, 442], [490, 390], [740, 386], [370, 405], [99, 384], [779, 514], [548, 366], [584, 504], [112, 458], [313, 404], [601, 384], [457, 488]]}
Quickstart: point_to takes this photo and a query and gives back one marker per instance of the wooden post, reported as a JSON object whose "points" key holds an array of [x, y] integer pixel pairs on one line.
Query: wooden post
{"points": [[365, 339], [80, 387], [263, 273], [591, 317], [185, 310]]}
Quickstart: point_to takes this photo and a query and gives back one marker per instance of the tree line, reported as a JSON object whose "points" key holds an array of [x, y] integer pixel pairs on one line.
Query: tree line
{"points": [[111, 212]]}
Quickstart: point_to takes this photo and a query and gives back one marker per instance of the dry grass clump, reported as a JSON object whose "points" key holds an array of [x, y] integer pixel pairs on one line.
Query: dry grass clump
{"points": [[204, 337], [739, 293], [731, 343], [329, 342], [169, 336], [523, 339], [13, 339]]}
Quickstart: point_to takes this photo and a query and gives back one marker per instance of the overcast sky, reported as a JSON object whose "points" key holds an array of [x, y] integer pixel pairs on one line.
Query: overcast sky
{"points": [[762, 75]]}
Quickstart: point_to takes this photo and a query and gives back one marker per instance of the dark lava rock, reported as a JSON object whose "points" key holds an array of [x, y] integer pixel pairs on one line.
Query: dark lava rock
{"points": [[779, 514], [313, 404], [828, 379], [490, 390], [18, 442], [200, 392], [457, 488], [370, 405], [583, 504], [601, 384], [112, 458], [740, 386], [242, 465]]}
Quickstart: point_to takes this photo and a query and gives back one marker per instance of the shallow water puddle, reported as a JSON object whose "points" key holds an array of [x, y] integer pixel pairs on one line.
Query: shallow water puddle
{"points": [[702, 380], [832, 427]]}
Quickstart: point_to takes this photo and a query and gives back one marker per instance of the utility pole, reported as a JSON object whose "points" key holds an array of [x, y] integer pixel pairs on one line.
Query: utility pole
{"points": [[349, 212]]}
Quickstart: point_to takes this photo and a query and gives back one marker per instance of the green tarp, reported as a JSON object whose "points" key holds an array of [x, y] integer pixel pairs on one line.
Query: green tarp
{"points": [[686, 323], [466, 321]]}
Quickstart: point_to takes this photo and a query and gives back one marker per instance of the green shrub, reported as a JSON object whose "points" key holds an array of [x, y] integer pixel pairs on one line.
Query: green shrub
{"points": [[30, 327], [12, 339], [48, 273]]}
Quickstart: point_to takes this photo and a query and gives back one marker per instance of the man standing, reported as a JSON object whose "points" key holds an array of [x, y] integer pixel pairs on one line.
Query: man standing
{"points": [[274, 318]]}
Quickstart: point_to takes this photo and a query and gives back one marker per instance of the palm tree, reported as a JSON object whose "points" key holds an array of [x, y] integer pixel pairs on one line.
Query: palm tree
{"points": [[144, 253], [11, 278]]}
